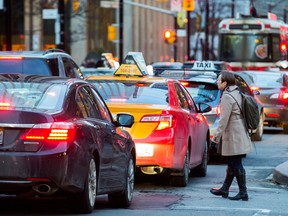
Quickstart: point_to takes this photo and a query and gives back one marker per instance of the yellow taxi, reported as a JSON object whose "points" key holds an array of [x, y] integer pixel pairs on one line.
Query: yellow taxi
{"points": [[170, 132]]}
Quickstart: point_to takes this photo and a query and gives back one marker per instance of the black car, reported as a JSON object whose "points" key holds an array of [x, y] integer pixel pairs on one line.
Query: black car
{"points": [[273, 88], [158, 67], [202, 85], [57, 137], [52, 62]]}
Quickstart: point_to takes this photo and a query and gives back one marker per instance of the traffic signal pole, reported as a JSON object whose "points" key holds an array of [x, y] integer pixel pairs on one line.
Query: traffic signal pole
{"points": [[175, 42], [188, 35], [121, 18]]}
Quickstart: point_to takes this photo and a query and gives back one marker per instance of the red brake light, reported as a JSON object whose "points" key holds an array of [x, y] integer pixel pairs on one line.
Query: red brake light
{"points": [[4, 106], [60, 131], [185, 83], [283, 47], [254, 88], [283, 95], [164, 121], [10, 58]]}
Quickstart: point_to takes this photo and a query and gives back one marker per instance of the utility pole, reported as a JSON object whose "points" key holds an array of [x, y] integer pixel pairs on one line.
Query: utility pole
{"points": [[61, 12], [188, 35], [233, 9], [8, 25], [30, 25], [121, 18], [206, 45], [175, 42]]}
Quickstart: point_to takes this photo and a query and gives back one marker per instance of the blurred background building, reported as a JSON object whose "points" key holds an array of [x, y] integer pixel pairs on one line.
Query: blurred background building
{"points": [[84, 26]]}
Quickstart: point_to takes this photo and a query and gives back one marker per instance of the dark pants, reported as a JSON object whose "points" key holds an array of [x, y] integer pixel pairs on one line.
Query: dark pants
{"points": [[235, 162]]}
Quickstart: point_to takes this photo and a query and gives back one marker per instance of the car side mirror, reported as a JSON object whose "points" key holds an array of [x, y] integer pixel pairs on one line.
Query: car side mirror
{"points": [[125, 120], [203, 107]]}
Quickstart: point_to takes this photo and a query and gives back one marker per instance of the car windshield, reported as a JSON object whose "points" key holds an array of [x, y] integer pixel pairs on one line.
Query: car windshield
{"points": [[132, 92], [203, 92], [24, 66], [37, 96]]}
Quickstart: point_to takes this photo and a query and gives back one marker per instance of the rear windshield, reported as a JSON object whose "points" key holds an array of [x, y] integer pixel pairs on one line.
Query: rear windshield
{"points": [[203, 92], [37, 96], [132, 92], [24, 66], [267, 80]]}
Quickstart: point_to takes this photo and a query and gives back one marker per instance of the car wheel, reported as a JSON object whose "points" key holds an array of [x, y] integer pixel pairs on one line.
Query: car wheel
{"points": [[84, 202], [201, 170], [124, 199], [285, 128], [259, 131], [182, 181]]}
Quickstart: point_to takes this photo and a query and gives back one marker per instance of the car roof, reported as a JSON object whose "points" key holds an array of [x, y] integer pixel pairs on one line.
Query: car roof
{"points": [[37, 79], [167, 64], [33, 54]]}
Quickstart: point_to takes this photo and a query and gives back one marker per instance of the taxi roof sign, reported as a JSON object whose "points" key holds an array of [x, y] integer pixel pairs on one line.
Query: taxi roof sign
{"points": [[133, 65], [203, 65]]}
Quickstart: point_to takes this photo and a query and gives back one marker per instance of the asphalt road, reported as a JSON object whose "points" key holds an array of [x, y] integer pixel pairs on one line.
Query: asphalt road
{"points": [[154, 196]]}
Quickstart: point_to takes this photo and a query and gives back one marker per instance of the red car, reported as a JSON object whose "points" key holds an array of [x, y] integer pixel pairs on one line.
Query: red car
{"points": [[170, 132]]}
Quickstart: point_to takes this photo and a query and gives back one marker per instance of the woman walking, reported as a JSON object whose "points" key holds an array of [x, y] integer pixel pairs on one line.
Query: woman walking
{"points": [[232, 137]]}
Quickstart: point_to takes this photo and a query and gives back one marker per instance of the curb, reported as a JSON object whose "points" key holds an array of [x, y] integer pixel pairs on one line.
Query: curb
{"points": [[280, 174]]}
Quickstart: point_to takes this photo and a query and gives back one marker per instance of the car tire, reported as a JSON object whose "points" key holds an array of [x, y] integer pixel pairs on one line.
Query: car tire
{"points": [[124, 198], [285, 128], [182, 181], [201, 170], [84, 202], [259, 131]]}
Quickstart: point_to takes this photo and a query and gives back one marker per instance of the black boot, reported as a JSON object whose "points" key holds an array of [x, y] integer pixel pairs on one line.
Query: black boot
{"points": [[241, 180], [224, 190]]}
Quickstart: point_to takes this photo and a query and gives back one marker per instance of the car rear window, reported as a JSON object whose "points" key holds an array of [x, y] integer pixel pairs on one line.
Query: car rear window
{"points": [[37, 96], [24, 66], [132, 92], [203, 92], [267, 80]]}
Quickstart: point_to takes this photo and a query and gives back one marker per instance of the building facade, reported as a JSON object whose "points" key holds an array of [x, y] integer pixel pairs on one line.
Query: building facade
{"points": [[81, 26]]}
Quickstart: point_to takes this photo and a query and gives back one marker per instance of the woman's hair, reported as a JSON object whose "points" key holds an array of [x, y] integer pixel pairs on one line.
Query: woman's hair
{"points": [[228, 77]]}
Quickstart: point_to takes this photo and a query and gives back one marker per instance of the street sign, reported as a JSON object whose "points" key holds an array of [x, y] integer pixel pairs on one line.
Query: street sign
{"points": [[109, 4], [188, 5]]}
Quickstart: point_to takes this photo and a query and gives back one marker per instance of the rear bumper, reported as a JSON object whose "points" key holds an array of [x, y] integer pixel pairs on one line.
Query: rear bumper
{"points": [[276, 115], [21, 172], [164, 155]]}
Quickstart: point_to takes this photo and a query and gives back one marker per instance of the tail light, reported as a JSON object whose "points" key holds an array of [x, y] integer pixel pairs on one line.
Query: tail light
{"points": [[185, 83], [59, 131], [4, 106], [254, 88], [283, 95], [164, 121]]}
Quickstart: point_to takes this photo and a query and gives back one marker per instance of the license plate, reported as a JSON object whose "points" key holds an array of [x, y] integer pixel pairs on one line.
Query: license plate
{"points": [[144, 150], [1, 136]]}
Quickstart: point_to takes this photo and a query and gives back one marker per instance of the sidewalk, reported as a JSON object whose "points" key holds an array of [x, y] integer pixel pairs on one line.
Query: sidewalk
{"points": [[280, 174]]}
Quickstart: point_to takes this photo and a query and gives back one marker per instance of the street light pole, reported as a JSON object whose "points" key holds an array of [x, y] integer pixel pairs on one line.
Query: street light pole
{"points": [[188, 35], [121, 14], [206, 45]]}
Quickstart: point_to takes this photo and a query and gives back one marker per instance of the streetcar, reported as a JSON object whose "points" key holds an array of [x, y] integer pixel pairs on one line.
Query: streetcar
{"points": [[252, 43]]}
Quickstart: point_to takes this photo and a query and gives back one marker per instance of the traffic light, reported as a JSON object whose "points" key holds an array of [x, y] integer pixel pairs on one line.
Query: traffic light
{"points": [[170, 36]]}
